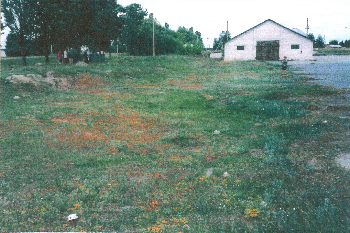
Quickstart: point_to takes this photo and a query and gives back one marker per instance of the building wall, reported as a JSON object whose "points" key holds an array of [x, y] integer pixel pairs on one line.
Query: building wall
{"points": [[216, 55], [3, 54], [266, 32]]}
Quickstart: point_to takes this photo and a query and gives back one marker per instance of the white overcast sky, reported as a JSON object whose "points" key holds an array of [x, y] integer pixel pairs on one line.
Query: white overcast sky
{"points": [[329, 18]]}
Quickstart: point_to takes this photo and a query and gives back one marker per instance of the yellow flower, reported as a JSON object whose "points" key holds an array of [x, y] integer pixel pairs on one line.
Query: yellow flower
{"points": [[251, 212]]}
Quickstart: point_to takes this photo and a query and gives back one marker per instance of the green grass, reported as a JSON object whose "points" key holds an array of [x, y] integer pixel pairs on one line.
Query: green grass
{"points": [[130, 151], [327, 52]]}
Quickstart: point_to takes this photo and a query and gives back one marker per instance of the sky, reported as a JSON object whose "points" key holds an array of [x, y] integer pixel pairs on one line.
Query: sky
{"points": [[328, 18]]}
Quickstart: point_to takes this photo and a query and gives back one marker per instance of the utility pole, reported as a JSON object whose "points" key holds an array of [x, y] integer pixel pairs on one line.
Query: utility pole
{"points": [[307, 26], [154, 51], [227, 33]]}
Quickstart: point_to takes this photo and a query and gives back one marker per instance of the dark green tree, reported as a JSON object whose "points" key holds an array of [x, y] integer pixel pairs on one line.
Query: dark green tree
{"points": [[45, 25], [105, 25], [13, 49], [19, 17], [220, 42], [165, 39], [311, 36], [333, 42], [132, 20], [319, 42], [345, 43], [190, 43]]}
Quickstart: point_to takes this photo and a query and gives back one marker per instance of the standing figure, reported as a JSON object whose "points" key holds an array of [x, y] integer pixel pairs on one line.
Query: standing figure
{"points": [[70, 56], [86, 57], [65, 56], [59, 57], [284, 65]]}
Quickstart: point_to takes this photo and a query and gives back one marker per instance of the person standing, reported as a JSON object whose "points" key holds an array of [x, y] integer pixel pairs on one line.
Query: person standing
{"points": [[65, 56], [284, 65], [59, 57]]}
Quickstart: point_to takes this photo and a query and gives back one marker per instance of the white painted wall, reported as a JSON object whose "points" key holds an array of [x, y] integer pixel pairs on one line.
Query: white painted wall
{"points": [[216, 55], [3, 54], [265, 32]]}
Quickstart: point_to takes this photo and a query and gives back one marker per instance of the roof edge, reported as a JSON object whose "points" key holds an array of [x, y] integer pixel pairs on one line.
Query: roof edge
{"points": [[274, 23]]}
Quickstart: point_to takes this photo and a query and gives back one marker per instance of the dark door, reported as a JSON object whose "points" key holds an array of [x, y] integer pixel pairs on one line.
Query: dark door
{"points": [[268, 50]]}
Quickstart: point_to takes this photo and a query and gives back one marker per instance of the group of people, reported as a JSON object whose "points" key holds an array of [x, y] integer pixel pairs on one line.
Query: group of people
{"points": [[68, 57], [65, 57]]}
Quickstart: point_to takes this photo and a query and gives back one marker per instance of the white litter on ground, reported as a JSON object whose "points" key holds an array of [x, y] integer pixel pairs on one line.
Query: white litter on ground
{"points": [[72, 217]]}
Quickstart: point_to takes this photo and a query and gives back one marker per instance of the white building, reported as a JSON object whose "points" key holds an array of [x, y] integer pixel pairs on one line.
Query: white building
{"points": [[2, 53], [269, 41]]}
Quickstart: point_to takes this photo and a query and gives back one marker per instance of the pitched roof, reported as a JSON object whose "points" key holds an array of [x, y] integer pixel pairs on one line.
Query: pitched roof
{"points": [[274, 23]]}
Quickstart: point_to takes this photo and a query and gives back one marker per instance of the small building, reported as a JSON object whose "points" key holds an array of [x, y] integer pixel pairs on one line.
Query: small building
{"points": [[2, 52], [216, 55], [269, 41], [331, 46]]}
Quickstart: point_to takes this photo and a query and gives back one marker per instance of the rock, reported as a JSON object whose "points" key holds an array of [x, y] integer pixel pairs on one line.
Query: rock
{"points": [[16, 97], [209, 172], [35, 77], [217, 132], [17, 79], [263, 204], [49, 74], [81, 64]]}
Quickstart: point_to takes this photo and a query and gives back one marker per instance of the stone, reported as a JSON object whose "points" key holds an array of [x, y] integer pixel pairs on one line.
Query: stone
{"points": [[209, 172], [217, 132], [18, 79], [81, 64]]}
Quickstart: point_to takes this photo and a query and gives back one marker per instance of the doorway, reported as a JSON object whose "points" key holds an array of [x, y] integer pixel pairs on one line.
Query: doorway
{"points": [[268, 50]]}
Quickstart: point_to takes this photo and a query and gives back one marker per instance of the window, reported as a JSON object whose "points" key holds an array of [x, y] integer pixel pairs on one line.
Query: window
{"points": [[240, 47], [295, 46]]}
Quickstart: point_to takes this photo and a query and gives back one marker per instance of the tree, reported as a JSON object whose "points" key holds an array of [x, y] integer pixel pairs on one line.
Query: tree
{"points": [[19, 18], [189, 43], [44, 25], [133, 18], [319, 43], [220, 42], [333, 42], [311, 37], [345, 43], [105, 25], [13, 49]]}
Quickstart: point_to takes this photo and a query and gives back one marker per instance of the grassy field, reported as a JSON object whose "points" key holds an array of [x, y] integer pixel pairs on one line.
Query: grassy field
{"points": [[327, 52], [170, 144]]}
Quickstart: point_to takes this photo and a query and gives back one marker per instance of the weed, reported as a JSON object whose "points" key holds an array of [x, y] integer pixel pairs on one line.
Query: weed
{"points": [[169, 144]]}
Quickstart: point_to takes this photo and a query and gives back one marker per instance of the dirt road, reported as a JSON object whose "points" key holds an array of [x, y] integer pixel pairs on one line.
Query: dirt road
{"points": [[331, 71], [326, 70]]}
